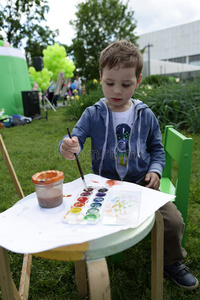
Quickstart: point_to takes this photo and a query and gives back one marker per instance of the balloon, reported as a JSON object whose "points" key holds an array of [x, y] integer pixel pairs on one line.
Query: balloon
{"points": [[6, 44], [42, 78], [73, 86], [55, 61], [32, 70], [1, 42]]}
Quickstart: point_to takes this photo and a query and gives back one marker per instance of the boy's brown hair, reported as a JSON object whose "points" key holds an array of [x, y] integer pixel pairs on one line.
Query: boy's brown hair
{"points": [[124, 52]]}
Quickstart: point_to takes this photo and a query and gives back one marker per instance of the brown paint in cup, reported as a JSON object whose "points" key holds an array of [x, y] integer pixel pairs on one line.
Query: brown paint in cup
{"points": [[49, 188]]}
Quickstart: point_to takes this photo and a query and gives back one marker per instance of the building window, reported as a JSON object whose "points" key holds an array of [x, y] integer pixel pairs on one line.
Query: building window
{"points": [[194, 60], [181, 60]]}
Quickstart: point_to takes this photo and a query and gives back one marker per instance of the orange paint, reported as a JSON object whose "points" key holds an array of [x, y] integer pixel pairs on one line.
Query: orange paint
{"points": [[95, 181], [67, 195], [112, 182]]}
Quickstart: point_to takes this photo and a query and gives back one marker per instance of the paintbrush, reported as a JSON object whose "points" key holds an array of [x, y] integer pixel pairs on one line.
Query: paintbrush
{"points": [[78, 163]]}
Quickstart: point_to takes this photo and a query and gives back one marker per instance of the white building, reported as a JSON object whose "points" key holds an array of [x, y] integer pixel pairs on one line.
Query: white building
{"points": [[172, 50]]}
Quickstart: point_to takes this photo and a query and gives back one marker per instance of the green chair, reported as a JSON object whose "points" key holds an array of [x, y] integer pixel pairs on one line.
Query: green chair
{"points": [[178, 148]]}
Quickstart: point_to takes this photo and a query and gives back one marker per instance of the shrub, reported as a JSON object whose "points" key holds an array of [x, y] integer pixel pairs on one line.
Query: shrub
{"points": [[156, 80], [92, 85], [175, 103], [75, 107]]}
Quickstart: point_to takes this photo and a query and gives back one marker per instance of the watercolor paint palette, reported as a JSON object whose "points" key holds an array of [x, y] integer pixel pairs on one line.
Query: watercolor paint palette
{"points": [[88, 206]]}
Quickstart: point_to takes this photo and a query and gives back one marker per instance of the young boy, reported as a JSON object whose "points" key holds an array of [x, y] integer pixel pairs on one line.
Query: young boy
{"points": [[126, 144]]}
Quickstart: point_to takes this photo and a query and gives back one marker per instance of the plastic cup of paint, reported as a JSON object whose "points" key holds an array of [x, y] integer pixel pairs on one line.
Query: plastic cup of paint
{"points": [[49, 188]]}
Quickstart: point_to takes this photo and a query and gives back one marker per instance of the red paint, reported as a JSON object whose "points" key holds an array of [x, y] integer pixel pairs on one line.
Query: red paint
{"points": [[79, 204], [82, 199]]}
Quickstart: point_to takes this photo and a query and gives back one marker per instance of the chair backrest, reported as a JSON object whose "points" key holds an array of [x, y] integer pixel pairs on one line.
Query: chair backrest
{"points": [[178, 148]]}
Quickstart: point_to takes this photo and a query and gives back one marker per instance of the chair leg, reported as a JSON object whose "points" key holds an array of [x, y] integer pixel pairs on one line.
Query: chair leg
{"points": [[8, 288], [157, 248], [81, 280], [25, 277], [98, 279]]}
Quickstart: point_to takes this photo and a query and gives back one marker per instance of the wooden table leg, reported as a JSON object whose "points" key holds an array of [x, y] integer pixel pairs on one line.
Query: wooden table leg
{"points": [[25, 277], [98, 279], [8, 288], [157, 246], [81, 280]]}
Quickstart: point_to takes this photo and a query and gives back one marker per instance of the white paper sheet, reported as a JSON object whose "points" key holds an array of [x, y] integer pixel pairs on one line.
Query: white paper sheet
{"points": [[27, 228]]}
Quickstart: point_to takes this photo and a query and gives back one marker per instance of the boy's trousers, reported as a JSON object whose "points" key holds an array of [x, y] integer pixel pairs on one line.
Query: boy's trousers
{"points": [[173, 233]]}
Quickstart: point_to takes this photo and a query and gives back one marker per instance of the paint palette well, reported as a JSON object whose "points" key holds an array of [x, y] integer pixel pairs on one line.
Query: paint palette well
{"points": [[88, 206]]}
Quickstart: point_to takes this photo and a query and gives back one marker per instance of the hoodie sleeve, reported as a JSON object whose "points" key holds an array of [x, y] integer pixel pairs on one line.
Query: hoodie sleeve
{"points": [[155, 148], [81, 130]]}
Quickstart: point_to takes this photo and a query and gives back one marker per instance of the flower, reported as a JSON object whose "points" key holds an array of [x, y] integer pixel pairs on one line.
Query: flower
{"points": [[75, 91], [177, 80], [76, 97], [145, 94], [95, 81]]}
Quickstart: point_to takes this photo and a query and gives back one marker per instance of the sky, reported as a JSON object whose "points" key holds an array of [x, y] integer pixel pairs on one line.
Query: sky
{"points": [[150, 15]]}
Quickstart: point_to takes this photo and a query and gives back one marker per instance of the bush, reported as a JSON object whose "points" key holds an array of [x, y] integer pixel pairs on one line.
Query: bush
{"points": [[156, 80], [75, 107], [92, 85], [175, 103]]}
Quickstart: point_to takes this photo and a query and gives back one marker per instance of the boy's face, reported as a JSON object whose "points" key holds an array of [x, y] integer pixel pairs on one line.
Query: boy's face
{"points": [[119, 84]]}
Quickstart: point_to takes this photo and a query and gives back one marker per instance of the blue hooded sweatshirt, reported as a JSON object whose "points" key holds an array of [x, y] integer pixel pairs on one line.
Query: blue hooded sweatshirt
{"points": [[146, 153]]}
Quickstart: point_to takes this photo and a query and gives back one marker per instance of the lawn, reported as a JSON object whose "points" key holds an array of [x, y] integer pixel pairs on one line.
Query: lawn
{"points": [[33, 148]]}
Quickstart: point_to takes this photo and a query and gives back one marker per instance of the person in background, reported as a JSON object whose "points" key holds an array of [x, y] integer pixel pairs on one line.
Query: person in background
{"points": [[53, 99], [77, 83]]}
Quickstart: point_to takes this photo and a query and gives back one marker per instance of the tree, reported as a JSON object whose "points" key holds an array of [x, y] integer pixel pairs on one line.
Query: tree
{"points": [[20, 23], [97, 23]]}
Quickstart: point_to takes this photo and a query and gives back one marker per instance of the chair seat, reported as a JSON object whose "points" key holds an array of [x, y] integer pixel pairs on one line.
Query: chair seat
{"points": [[166, 186]]}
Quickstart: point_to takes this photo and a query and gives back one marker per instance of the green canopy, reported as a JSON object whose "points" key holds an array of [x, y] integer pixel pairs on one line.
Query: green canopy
{"points": [[14, 78]]}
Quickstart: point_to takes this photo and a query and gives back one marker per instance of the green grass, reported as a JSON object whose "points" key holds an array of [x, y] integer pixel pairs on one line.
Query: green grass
{"points": [[33, 148]]}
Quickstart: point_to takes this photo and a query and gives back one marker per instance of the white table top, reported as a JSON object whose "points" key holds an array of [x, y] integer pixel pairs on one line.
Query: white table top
{"points": [[27, 228]]}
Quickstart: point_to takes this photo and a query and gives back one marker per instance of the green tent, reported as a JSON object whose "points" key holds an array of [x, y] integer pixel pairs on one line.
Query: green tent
{"points": [[14, 78]]}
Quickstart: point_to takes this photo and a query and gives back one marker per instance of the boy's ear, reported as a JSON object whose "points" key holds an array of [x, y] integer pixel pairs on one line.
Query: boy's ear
{"points": [[100, 76], [139, 81]]}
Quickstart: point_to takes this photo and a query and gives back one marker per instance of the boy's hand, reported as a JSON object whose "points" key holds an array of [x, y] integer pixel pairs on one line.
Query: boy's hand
{"points": [[153, 180], [69, 147]]}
